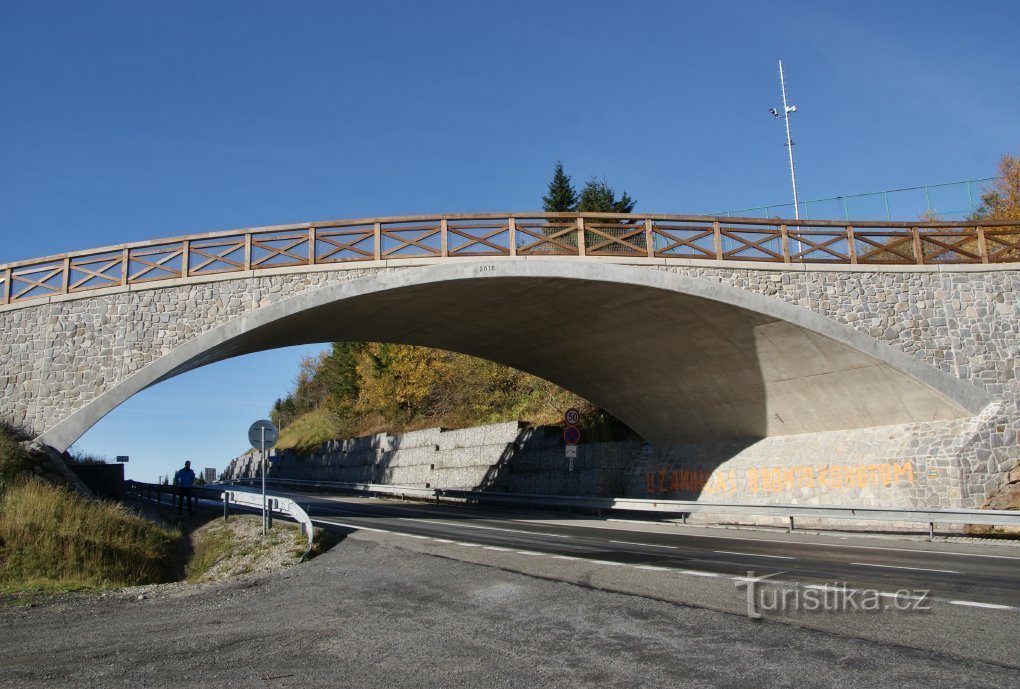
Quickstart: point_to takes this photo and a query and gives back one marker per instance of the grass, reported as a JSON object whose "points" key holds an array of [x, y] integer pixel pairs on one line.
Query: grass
{"points": [[308, 431], [53, 541], [212, 546]]}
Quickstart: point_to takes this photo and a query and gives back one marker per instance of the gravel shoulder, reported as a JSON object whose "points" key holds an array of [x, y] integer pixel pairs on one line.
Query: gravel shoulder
{"points": [[370, 614]]}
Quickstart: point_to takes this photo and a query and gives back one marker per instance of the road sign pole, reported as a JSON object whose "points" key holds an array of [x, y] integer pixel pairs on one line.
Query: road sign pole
{"points": [[262, 436], [263, 480]]}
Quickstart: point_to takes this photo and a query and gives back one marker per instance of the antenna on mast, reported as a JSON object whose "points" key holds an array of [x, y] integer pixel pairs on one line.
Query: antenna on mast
{"points": [[785, 114]]}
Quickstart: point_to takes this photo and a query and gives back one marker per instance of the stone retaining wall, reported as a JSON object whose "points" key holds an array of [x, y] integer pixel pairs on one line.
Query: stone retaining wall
{"points": [[911, 465]]}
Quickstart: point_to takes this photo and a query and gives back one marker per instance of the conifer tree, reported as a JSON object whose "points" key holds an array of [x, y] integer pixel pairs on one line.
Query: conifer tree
{"points": [[598, 197], [561, 198]]}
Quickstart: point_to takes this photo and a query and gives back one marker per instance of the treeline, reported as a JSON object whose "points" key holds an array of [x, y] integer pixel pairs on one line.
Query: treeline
{"points": [[358, 388]]}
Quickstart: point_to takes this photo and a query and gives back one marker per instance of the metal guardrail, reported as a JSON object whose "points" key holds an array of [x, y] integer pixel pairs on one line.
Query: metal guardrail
{"points": [[482, 235], [931, 517], [275, 503]]}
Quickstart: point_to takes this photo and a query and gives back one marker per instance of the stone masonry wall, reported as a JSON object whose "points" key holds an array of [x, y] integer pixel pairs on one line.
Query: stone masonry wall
{"points": [[91, 344], [911, 465], [504, 457], [59, 356]]}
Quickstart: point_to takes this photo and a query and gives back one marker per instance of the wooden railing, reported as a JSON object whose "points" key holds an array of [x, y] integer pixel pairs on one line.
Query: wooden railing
{"points": [[528, 234]]}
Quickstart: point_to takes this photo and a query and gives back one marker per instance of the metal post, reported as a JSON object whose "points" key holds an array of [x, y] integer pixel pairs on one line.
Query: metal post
{"points": [[791, 522], [269, 514], [789, 142], [263, 480], [931, 531], [226, 504]]}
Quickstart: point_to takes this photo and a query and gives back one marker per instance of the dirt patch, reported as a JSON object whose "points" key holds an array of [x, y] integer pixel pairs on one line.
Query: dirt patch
{"points": [[225, 549]]}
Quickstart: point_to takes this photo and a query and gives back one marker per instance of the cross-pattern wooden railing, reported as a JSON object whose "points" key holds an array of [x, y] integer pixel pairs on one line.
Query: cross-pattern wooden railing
{"points": [[527, 234]]}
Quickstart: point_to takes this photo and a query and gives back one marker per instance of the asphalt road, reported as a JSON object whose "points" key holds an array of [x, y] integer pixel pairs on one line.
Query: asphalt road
{"points": [[955, 598], [373, 613], [960, 573]]}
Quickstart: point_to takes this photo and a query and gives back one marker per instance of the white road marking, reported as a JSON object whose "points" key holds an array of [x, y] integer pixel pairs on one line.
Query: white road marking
{"points": [[651, 568], [730, 552], [486, 528], [916, 569], [647, 545], [820, 545], [497, 548], [973, 604], [352, 526], [606, 562]]}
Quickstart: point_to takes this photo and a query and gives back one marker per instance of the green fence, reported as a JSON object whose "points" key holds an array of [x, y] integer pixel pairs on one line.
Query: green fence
{"points": [[950, 201]]}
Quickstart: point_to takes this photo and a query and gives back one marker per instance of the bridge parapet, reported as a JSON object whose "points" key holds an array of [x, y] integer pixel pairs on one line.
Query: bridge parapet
{"points": [[459, 236]]}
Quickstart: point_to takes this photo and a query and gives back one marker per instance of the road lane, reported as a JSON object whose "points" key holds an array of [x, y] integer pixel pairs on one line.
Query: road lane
{"points": [[963, 573]]}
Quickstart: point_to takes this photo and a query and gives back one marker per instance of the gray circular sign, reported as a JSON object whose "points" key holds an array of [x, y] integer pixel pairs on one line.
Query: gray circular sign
{"points": [[255, 434]]}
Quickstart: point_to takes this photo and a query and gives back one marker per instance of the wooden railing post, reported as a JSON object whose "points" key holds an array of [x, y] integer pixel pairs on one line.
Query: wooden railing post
{"points": [[377, 240], [580, 237], [511, 225], [247, 250], [982, 244], [444, 246], [851, 245], [717, 236], [7, 287], [784, 243], [66, 286], [649, 238], [185, 258], [311, 246], [918, 251], [125, 267]]}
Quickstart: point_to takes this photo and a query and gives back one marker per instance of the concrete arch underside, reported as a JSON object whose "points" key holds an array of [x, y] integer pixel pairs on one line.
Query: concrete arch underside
{"points": [[675, 357]]}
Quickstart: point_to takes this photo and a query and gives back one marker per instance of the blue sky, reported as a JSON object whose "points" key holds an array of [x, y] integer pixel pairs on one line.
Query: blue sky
{"points": [[124, 121]]}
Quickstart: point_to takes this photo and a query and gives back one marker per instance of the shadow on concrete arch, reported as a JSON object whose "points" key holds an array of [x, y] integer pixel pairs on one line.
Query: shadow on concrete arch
{"points": [[676, 358]]}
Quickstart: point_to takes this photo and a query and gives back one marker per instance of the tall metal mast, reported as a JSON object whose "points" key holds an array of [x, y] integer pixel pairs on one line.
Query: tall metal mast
{"points": [[787, 109]]}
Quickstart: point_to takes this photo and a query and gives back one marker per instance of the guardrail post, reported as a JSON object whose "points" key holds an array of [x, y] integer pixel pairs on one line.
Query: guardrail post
{"points": [[377, 240], [717, 236], [444, 243], [270, 506], [791, 522], [851, 245], [918, 249], [649, 238], [226, 504], [511, 226], [931, 531], [7, 287], [311, 246], [580, 237], [185, 258]]}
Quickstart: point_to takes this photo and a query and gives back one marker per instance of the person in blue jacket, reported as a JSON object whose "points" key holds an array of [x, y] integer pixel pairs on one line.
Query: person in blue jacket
{"points": [[185, 479]]}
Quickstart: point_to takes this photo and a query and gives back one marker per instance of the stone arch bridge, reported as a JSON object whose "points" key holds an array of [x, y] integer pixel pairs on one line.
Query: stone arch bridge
{"points": [[690, 329]]}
